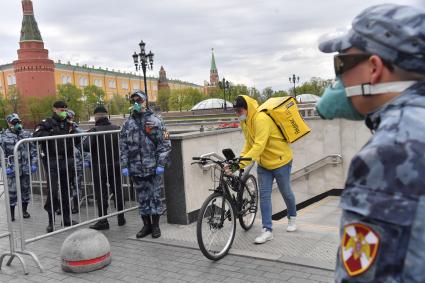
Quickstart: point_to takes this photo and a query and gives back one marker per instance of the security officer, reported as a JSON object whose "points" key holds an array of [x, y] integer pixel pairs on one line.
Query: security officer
{"points": [[380, 73], [145, 149], [70, 116], [106, 167], [58, 161], [28, 164]]}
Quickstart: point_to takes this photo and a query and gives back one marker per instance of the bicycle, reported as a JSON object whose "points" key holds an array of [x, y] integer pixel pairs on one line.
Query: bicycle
{"points": [[216, 224]]}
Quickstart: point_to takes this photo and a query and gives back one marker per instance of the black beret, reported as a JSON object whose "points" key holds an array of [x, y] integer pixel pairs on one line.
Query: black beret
{"points": [[100, 109], [60, 104]]}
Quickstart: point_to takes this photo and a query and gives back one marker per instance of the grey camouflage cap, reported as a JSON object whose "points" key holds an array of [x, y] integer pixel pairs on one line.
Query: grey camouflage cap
{"points": [[140, 94], [12, 117], [394, 32]]}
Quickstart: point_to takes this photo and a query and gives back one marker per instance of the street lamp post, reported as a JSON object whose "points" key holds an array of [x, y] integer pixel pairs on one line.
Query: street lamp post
{"points": [[224, 84], [294, 79], [143, 61]]}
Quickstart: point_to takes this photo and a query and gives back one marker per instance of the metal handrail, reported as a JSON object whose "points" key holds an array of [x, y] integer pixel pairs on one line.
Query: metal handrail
{"points": [[333, 159]]}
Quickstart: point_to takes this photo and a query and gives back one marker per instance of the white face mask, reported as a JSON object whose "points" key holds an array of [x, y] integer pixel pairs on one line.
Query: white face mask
{"points": [[242, 117], [368, 89]]}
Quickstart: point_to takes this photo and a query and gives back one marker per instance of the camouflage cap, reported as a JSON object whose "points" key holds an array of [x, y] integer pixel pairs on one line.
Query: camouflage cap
{"points": [[394, 32], [70, 113], [140, 94], [12, 117]]}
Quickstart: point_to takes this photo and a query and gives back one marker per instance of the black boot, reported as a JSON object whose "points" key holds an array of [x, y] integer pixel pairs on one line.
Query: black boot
{"points": [[121, 220], [147, 227], [156, 232], [12, 213], [25, 213], [67, 220], [100, 225], [75, 207], [49, 227]]}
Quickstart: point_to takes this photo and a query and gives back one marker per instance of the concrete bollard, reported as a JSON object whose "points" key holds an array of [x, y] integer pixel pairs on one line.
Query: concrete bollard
{"points": [[85, 250]]}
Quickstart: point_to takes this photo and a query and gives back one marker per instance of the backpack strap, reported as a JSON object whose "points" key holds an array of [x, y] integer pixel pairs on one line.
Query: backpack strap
{"points": [[280, 130]]}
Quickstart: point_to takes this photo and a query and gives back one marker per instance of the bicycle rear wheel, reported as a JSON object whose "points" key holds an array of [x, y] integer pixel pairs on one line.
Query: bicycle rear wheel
{"points": [[248, 199], [216, 226]]}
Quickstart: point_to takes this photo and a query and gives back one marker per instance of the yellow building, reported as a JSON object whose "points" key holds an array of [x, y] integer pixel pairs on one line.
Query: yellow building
{"points": [[111, 81]]}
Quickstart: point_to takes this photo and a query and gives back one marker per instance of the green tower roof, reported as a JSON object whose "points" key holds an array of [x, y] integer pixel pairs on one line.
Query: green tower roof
{"points": [[29, 29], [213, 66]]}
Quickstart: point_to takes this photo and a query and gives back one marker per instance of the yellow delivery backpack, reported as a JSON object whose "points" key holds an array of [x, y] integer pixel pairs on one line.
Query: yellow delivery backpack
{"points": [[284, 112]]}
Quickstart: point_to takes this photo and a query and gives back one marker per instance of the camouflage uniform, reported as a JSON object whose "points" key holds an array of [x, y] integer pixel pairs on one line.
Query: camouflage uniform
{"points": [[79, 177], [144, 145], [79, 162], [383, 224], [8, 140]]}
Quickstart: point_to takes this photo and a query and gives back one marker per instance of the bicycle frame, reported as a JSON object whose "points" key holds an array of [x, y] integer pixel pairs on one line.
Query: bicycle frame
{"points": [[223, 188], [235, 204]]}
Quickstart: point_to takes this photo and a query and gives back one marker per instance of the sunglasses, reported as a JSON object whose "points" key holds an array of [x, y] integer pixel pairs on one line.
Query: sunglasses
{"points": [[140, 101], [14, 122], [345, 62]]}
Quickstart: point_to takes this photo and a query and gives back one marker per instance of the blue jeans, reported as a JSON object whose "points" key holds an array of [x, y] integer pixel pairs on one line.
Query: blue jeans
{"points": [[265, 181]]}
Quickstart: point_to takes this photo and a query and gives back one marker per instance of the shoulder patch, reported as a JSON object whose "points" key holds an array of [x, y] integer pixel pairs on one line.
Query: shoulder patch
{"points": [[166, 135], [359, 247]]}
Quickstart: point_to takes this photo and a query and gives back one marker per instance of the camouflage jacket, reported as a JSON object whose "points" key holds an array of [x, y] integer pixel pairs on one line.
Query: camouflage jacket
{"points": [[144, 144], [383, 220], [78, 158], [27, 154]]}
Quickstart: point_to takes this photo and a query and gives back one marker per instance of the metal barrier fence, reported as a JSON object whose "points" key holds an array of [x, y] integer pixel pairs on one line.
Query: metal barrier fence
{"points": [[10, 234], [78, 176]]}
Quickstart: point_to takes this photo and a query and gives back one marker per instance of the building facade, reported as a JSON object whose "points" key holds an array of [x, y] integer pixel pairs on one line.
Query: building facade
{"points": [[112, 82]]}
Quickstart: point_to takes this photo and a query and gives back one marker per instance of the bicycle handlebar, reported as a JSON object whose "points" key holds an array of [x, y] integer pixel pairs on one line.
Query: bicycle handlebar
{"points": [[221, 162]]}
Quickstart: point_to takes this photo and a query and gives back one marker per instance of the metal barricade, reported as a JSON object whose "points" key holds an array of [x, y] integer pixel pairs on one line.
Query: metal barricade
{"points": [[58, 170], [12, 253]]}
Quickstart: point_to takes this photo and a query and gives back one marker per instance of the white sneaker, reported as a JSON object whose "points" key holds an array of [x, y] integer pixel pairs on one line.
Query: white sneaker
{"points": [[265, 236], [291, 225]]}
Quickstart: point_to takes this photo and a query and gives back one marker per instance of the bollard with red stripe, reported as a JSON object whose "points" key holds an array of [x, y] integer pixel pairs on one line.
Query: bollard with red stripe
{"points": [[85, 250]]}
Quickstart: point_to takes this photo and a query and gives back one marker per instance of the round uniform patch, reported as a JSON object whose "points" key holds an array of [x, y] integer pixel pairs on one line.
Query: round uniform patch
{"points": [[359, 248]]}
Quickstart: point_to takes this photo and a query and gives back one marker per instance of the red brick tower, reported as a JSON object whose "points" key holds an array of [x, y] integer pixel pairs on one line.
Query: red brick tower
{"points": [[163, 81], [34, 70]]}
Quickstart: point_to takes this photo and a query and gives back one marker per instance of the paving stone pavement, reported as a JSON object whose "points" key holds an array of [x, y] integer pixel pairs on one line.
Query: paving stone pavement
{"points": [[313, 244], [142, 261]]}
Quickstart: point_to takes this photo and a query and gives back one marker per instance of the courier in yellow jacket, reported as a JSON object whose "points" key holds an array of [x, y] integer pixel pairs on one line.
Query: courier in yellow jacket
{"points": [[265, 144]]}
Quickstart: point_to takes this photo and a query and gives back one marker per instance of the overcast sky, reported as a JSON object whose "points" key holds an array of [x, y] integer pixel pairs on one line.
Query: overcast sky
{"points": [[257, 43]]}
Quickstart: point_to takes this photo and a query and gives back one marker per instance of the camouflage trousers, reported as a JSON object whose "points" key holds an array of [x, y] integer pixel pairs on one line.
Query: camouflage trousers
{"points": [[77, 184], [25, 189], [149, 194]]}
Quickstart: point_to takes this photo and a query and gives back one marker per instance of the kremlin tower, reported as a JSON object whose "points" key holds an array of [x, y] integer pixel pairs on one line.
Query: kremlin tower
{"points": [[34, 70]]}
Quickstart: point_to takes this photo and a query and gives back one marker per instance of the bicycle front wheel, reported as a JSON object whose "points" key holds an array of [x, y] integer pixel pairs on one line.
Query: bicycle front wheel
{"points": [[216, 226], [248, 201]]}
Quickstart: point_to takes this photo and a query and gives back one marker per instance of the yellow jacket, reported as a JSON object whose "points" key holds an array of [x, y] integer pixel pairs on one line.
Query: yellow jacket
{"points": [[264, 142]]}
